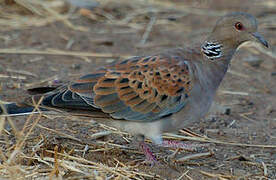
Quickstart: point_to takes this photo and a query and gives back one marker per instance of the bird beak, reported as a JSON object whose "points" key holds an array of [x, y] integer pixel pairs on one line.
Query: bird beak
{"points": [[260, 39]]}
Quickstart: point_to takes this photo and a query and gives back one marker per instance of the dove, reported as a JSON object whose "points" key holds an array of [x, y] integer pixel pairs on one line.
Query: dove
{"points": [[149, 95]]}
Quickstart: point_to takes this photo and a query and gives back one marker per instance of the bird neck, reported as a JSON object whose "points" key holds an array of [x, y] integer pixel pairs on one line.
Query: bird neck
{"points": [[218, 51], [217, 55]]}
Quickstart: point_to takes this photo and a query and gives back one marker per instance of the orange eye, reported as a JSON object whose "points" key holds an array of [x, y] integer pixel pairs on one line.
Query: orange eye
{"points": [[239, 26]]}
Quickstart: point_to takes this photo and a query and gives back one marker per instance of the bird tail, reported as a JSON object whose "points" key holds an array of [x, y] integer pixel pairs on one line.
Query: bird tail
{"points": [[14, 109], [25, 107]]}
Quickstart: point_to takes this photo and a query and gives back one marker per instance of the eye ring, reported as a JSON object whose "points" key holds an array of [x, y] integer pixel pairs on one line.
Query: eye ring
{"points": [[239, 26]]}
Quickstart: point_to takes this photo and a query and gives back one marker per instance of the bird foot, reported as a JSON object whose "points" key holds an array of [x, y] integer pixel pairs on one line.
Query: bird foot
{"points": [[150, 158], [180, 145]]}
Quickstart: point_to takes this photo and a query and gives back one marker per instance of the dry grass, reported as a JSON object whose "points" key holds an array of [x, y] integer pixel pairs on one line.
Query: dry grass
{"points": [[24, 160], [24, 156]]}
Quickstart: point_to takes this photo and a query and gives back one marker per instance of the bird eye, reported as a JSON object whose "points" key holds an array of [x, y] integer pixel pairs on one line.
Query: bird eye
{"points": [[239, 26]]}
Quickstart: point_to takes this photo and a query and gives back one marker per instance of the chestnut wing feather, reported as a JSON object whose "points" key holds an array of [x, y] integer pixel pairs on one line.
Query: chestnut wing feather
{"points": [[138, 89]]}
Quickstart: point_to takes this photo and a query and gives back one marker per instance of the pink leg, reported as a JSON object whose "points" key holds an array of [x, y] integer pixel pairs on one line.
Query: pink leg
{"points": [[150, 158], [181, 145]]}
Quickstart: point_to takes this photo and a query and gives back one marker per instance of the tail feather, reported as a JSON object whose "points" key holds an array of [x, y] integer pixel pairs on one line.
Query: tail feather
{"points": [[48, 98], [41, 90], [14, 109]]}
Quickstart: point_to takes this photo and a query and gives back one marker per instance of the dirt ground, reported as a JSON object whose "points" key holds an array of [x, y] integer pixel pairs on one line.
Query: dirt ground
{"points": [[240, 130]]}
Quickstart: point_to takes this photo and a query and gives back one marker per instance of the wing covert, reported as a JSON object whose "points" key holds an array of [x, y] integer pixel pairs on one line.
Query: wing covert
{"points": [[139, 88]]}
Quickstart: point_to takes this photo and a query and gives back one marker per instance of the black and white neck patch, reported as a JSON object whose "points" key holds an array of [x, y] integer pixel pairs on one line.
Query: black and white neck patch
{"points": [[211, 50]]}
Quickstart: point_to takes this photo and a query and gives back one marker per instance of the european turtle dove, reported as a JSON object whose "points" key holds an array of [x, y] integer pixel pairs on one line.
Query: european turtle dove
{"points": [[149, 95]]}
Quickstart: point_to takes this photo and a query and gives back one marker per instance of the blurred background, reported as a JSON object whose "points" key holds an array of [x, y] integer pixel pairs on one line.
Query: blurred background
{"points": [[47, 42]]}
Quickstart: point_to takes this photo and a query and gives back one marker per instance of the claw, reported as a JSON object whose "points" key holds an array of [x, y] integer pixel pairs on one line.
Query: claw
{"points": [[150, 158]]}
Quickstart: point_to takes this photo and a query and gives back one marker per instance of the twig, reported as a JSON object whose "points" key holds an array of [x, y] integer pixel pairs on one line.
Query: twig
{"points": [[21, 72], [13, 77], [234, 93], [184, 174], [60, 17], [238, 74], [195, 156], [21, 143], [59, 133], [219, 176], [179, 137], [40, 82], [100, 134], [148, 30], [265, 169], [29, 6]]}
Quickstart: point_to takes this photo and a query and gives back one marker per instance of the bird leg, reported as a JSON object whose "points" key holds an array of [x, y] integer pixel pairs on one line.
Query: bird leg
{"points": [[150, 158], [179, 144]]}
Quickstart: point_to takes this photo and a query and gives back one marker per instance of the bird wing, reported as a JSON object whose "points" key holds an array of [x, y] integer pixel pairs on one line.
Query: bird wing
{"points": [[138, 88]]}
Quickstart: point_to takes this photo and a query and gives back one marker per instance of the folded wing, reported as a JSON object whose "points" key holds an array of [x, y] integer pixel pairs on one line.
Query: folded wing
{"points": [[138, 89]]}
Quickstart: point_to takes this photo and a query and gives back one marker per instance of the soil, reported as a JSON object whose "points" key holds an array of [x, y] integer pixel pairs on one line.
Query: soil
{"points": [[248, 93]]}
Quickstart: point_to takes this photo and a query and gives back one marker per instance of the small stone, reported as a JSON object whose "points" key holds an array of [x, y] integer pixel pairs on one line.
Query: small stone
{"points": [[172, 18], [110, 60], [242, 158], [227, 111], [253, 61], [213, 119], [76, 66]]}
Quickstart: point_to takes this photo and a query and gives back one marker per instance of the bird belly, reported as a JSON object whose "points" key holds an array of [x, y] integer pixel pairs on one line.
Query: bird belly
{"points": [[196, 108], [152, 130]]}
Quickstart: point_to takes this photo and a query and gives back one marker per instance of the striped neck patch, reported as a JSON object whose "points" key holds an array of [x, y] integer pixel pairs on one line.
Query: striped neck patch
{"points": [[211, 50]]}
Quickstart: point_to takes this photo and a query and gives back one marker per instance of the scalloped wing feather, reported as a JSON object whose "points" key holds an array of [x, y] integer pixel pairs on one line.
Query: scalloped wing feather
{"points": [[139, 88]]}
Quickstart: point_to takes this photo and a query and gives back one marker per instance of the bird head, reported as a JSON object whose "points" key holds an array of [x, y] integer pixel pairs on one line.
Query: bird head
{"points": [[237, 28]]}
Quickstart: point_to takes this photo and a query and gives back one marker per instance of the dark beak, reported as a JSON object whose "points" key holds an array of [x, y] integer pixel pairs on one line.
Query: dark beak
{"points": [[260, 39]]}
